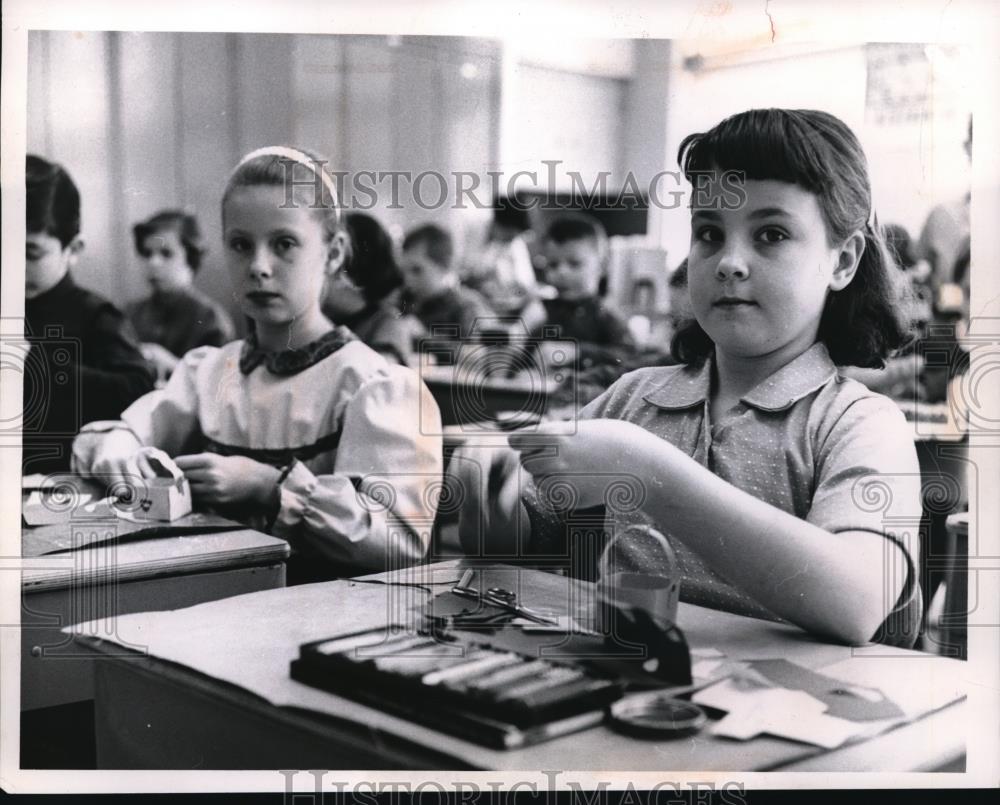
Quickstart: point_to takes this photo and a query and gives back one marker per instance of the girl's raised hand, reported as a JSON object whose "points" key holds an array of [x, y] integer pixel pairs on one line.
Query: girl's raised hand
{"points": [[590, 456], [229, 479]]}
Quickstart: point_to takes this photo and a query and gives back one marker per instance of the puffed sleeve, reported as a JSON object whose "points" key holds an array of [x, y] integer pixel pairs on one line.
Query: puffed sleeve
{"points": [[167, 418], [868, 479], [164, 418], [376, 510]]}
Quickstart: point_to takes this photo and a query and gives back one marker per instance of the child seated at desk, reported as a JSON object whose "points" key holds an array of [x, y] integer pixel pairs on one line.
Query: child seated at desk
{"points": [[300, 429], [774, 476], [63, 389], [361, 296], [447, 311], [176, 317], [575, 249]]}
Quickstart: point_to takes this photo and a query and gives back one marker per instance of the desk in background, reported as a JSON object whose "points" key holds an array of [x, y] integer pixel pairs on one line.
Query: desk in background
{"points": [[215, 692], [99, 583], [465, 397], [941, 440]]}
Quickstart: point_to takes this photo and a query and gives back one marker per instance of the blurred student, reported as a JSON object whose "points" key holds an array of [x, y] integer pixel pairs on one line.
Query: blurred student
{"points": [[360, 296], [447, 311], [502, 269], [176, 317], [84, 362], [575, 248], [298, 428]]}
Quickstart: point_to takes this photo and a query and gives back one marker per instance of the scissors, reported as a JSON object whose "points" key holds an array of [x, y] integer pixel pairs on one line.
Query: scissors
{"points": [[499, 597]]}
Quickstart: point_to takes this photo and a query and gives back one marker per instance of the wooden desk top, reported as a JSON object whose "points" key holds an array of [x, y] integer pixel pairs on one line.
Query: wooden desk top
{"points": [[250, 640], [128, 560], [167, 556]]}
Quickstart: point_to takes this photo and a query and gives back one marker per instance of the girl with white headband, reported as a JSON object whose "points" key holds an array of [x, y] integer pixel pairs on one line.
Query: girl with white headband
{"points": [[300, 428]]}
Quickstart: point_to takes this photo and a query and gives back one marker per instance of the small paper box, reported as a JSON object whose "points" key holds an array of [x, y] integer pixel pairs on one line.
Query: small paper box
{"points": [[166, 497]]}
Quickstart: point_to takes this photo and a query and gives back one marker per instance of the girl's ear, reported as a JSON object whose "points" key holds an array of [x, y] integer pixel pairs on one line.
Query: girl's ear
{"points": [[335, 254], [848, 260], [74, 250]]}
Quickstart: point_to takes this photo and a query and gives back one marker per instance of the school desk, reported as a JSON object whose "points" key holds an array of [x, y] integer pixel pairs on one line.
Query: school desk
{"points": [[215, 692], [472, 396], [98, 583]]}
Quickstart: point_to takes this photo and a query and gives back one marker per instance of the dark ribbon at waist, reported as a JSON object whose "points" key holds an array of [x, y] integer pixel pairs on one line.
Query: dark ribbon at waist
{"points": [[276, 457]]}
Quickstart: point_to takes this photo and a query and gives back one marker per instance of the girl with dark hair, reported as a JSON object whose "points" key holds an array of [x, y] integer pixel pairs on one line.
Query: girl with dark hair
{"points": [[776, 478], [176, 317], [300, 428], [360, 296]]}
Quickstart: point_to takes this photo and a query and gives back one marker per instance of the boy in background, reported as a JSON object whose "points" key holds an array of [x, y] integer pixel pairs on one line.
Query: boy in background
{"points": [[447, 311], [84, 363], [575, 249]]}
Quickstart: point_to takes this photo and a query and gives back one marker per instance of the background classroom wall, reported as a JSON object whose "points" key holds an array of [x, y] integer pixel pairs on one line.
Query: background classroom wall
{"points": [[908, 103], [149, 120]]}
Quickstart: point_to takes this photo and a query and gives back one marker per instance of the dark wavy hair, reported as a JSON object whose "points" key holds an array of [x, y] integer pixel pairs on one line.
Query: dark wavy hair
{"points": [[52, 201], [862, 324], [436, 240], [183, 223], [370, 263]]}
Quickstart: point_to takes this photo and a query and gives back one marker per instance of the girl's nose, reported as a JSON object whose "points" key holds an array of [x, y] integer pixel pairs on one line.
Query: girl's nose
{"points": [[732, 265], [260, 266]]}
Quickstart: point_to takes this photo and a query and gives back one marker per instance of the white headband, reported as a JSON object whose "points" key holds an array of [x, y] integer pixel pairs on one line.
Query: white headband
{"points": [[301, 158]]}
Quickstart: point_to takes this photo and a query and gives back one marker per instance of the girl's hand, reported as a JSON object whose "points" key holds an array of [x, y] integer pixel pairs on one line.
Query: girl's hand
{"points": [[598, 455], [229, 479], [107, 455]]}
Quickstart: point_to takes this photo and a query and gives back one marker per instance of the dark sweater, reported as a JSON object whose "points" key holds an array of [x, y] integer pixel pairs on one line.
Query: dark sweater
{"points": [[181, 320], [83, 365]]}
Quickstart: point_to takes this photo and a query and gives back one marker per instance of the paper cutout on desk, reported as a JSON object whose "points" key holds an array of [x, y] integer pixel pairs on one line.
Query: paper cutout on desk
{"points": [[34, 480], [62, 498], [919, 683], [41, 509], [753, 710], [842, 700], [68, 536], [781, 698], [790, 714]]}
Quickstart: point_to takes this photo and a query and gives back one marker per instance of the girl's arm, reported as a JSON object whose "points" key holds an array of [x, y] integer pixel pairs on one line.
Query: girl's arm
{"points": [[377, 509], [165, 419], [839, 583]]}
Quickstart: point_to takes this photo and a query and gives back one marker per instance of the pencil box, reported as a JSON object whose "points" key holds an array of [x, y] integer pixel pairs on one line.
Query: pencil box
{"points": [[457, 684]]}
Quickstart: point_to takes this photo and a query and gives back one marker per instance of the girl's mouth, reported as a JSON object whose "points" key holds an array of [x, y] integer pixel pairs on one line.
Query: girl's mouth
{"points": [[262, 297], [733, 303]]}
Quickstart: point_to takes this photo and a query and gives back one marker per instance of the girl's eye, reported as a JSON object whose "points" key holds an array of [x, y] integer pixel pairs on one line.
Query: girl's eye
{"points": [[708, 234], [239, 245], [283, 245], [771, 235]]}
